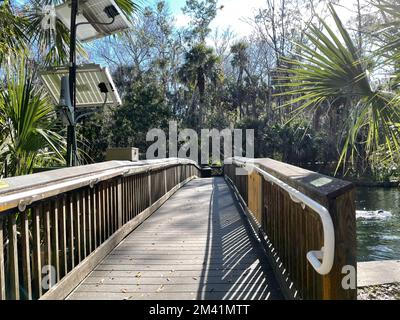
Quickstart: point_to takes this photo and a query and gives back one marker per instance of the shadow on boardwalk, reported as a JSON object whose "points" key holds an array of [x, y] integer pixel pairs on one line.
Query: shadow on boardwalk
{"points": [[243, 271], [198, 245]]}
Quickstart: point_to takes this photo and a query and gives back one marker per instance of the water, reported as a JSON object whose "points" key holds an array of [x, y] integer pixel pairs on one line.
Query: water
{"points": [[378, 224]]}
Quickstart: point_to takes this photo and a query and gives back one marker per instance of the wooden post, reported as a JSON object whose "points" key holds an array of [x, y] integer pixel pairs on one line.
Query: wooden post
{"points": [[342, 210], [255, 199]]}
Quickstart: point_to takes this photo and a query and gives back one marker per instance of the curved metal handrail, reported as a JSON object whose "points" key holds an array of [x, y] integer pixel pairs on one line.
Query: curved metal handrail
{"points": [[327, 252]]}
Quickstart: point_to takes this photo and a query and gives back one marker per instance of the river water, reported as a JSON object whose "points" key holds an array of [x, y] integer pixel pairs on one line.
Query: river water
{"points": [[378, 224]]}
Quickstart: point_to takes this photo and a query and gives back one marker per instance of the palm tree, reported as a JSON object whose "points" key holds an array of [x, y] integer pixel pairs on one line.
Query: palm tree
{"points": [[27, 128], [333, 71], [201, 68], [12, 36]]}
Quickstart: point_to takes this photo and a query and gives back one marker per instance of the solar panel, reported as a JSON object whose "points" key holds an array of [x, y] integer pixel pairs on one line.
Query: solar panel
{"points": [[92, 11], [88, 79]]}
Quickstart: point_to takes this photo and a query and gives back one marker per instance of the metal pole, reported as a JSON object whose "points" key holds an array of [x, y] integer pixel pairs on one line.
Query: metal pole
{"points": [[72, 150]]}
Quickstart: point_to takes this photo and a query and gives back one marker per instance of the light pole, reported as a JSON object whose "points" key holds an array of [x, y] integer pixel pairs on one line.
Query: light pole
{"points": [[72, 149], [93, 16]]}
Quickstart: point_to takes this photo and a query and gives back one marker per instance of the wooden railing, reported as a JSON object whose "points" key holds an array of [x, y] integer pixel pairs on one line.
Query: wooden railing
{"points": [[290, 230], [56, 226]]}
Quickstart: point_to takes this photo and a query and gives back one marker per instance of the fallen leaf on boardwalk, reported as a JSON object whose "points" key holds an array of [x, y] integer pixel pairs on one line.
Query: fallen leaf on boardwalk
{"points": [[124, 290], [160, 288], [138, 275], [194, 278], [168, 279]]}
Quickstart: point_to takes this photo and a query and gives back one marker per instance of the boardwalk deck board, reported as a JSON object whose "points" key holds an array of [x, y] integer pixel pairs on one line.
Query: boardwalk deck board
{"points": [[198, 245]]}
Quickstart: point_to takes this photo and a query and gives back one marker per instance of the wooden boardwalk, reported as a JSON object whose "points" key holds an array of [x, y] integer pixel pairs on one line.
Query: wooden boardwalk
{"points": [[198, 245]]}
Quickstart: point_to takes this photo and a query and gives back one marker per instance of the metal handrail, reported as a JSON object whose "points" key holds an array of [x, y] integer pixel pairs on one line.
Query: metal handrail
{"points": [[327, 252]]}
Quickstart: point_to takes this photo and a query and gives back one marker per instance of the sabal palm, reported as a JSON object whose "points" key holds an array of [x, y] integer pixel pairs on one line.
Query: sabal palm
{"points": [[332, 69], [201, 67], [26, 125], [12, 37]]}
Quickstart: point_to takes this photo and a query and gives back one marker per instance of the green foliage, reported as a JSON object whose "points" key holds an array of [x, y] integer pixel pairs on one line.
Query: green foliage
{"points": [[200, 71], [12, 37], [144, 109], [26, 125], [163, 73], [332, 70], [294, 143], [202, 13]]}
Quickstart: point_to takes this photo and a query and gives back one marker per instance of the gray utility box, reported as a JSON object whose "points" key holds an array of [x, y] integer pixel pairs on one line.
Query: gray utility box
{"points": [[128, 154]]}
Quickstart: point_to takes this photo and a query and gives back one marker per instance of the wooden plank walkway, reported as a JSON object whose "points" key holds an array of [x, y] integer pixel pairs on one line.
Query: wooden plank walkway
{"points": [[196, 246]]}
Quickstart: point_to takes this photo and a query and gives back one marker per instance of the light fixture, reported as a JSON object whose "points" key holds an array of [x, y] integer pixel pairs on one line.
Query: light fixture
{"points": [[96, 18], [89, 85], [94, 85]]}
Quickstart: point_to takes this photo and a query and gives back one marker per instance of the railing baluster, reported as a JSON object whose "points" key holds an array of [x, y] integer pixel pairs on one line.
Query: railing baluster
{"points": [[100, 215], [63, 237], [77, 227], [122, 196], [13, 258], [2, 271], [83, 225], [118, 220], [36, 254], [70, 234], [110, 208], [26, 258], [93, 213], [95, 201], [132, 198], [106, 210], [134, 195], [55, 259], [110, 201], [103, 211], [47, 242], [143, 191], [89, 219]]}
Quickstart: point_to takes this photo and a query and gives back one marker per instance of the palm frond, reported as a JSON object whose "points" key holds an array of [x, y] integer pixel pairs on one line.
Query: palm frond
{"points": [[332, 69], [26, 120], [12, 37]]}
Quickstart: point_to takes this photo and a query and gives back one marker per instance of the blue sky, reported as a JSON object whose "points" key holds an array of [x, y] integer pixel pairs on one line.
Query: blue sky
{"points": [[235, 12]]}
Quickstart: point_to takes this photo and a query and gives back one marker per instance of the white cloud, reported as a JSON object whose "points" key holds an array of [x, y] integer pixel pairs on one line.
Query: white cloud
{"points": [[181, 20], [235, 12]]}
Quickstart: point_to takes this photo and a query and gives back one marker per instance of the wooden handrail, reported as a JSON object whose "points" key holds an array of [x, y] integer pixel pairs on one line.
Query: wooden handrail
{"points": [[289, 230], [56, 226]]}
